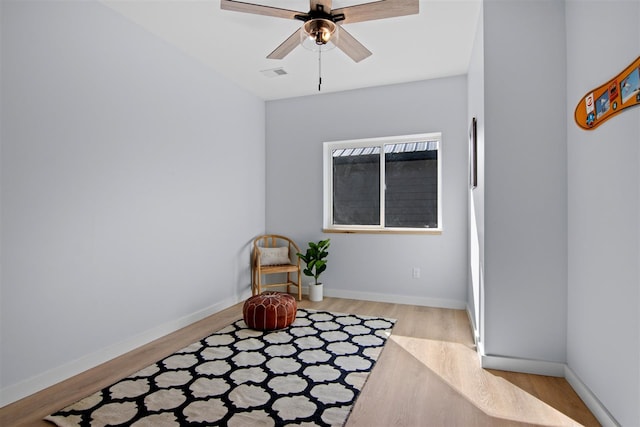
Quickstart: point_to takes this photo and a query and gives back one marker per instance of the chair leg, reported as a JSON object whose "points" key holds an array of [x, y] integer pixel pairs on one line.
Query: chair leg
{"points": [[258, 282], [299, 287], [288, 282], [253, 282]]}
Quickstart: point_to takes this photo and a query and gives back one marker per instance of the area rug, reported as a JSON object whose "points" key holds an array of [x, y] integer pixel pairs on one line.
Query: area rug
{"points": [[307, 374]]}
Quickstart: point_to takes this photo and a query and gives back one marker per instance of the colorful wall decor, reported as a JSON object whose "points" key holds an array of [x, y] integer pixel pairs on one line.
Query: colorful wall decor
{"points": [[604, 102]]}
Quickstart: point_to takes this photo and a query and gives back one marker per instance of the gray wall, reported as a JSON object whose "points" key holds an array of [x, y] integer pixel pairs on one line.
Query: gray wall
{"points": [[603, 346], [128, 189], [525, 188], [372, 266]]}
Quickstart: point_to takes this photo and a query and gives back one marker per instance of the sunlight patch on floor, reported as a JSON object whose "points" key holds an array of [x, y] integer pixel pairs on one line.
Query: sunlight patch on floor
{"points": [[493, 395]]}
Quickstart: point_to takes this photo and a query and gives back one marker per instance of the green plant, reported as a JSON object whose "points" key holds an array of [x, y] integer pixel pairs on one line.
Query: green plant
{"points": [[315, 259]]}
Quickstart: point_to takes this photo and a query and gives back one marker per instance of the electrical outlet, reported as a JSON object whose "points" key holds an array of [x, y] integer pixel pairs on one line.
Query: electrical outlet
{"points": [[416, 273]]}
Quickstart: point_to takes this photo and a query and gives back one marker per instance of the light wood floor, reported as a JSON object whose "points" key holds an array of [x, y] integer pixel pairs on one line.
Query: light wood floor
{"points": [[427, 375]]}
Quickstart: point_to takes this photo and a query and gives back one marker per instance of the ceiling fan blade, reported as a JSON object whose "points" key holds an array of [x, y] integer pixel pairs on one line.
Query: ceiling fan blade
{"points": [[258, 9], [352, 47], [378, 10], [286, 46]]}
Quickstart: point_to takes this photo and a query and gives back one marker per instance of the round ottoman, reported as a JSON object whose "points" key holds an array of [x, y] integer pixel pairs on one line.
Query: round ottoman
{"points": [[269, 310]]}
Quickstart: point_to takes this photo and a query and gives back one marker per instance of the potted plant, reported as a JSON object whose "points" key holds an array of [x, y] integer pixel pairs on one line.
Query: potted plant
{"points": [[315, 258]]}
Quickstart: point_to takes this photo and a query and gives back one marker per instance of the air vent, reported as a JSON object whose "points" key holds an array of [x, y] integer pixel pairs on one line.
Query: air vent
{"points": [[274, 72]]}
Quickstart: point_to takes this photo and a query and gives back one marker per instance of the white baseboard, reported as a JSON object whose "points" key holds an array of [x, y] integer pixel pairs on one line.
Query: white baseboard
{"points": [[53, 376], [474, 328], [395, 299], [593, 403], [527, 366]]}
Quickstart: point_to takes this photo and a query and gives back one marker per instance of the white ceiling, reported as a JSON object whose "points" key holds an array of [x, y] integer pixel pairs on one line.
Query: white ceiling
{"points": [[435, 43]]}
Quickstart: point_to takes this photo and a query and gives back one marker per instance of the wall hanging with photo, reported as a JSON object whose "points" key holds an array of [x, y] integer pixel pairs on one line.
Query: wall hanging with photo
{"points": [[473, 154]]}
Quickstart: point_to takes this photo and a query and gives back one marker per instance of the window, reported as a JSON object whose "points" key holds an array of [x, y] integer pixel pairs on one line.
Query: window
{"points": [[383, 184]]}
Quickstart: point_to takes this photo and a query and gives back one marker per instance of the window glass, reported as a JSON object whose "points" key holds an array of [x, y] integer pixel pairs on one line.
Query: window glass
{"points": [[411, 191], [356, 186]]}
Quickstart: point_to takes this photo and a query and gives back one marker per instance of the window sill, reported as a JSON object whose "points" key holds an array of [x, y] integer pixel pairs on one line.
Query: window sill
{"points": [[431, 231]]}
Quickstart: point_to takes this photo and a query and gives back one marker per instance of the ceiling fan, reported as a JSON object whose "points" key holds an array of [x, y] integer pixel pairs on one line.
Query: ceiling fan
{"points": [[323, 24]]}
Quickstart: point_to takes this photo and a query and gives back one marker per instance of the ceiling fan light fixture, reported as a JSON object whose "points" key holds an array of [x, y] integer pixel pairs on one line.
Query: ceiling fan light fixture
{"points": [[320, 30], [319, 34]]}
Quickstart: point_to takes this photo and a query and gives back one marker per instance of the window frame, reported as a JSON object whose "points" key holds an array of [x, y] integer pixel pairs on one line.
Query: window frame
{"points": [[327, 183]]}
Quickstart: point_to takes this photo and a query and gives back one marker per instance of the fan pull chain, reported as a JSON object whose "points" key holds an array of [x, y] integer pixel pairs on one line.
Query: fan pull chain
{"points": [[319, 69]]}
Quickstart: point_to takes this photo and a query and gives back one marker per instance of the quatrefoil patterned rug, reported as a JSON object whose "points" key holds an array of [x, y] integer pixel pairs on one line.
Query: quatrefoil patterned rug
{"points": [[307, 374]]}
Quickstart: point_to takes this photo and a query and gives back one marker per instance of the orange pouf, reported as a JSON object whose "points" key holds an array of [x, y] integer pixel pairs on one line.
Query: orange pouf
{"points": [[269, 310]]}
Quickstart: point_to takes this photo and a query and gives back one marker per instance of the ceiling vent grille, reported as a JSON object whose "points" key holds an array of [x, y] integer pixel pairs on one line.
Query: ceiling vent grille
{"points": [[274, 72]]}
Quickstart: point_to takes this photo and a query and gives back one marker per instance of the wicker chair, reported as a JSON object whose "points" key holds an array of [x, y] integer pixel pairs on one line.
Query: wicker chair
{"points": [[275, 254]]}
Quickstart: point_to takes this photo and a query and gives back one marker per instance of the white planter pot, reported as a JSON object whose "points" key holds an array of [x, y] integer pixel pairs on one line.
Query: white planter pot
{"points": [[315, 292]]}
